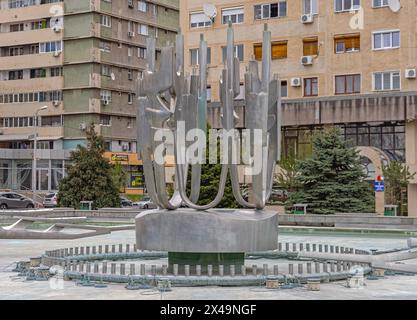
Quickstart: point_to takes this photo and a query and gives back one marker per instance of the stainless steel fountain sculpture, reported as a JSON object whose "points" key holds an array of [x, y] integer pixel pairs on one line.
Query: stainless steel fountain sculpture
{"points": [[168, 97]]}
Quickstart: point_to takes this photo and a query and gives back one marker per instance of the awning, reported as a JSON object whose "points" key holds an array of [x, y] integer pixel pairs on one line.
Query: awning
{"points": [[26, 137], [49, 138]]}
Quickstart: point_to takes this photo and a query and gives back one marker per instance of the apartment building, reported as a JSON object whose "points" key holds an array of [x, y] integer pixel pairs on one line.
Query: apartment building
{"points": [[345, 63], [65, 64]]}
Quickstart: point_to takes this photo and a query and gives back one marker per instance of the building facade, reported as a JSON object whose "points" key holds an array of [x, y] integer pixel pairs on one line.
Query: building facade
{"points": [[345, 63], [81, 59]]}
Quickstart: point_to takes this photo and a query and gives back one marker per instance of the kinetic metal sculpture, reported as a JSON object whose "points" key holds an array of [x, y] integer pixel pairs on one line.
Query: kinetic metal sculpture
{"points": [[167, 97]]}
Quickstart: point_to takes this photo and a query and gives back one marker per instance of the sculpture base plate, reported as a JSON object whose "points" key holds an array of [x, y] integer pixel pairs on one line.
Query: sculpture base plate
{"points": [[209, 232]]}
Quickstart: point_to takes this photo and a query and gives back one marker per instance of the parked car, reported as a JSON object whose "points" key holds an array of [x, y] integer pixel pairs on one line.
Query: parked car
{"points": [[146, 203], [50, 200], [11, 200], [125, 203]]}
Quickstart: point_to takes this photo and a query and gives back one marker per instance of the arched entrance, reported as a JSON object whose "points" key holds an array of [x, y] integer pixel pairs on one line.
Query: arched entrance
{"points": [[378, 159]]}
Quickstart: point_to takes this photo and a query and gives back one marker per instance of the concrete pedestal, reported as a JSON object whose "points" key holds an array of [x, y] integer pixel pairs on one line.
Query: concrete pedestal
{"points": [[214, 237]]}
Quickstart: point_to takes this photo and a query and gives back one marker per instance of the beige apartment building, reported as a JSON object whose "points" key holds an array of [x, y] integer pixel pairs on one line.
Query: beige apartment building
{"points": [[348, 63], [65, 64]]}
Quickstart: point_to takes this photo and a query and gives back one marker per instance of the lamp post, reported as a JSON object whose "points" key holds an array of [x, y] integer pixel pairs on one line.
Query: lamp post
{"points": [[35, 149]]}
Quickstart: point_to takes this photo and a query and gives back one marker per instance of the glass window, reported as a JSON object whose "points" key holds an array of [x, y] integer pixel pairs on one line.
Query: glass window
{"points": [[199, 20], [310, 87], [234, 15]]}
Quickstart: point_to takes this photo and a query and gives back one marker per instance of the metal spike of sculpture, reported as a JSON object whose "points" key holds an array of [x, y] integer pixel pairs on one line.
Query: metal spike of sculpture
{"points": [[168, 97]]}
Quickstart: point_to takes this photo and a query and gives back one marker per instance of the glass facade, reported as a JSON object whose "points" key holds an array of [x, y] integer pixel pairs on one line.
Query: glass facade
{"points": [[17, 174], [388, 137]]}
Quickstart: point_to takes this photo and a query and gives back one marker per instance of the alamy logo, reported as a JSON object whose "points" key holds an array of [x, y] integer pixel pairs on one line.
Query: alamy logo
{"points": [[224, 147]]}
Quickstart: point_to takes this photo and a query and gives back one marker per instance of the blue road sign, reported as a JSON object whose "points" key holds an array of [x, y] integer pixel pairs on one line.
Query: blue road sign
{"points": [[379, 186]]}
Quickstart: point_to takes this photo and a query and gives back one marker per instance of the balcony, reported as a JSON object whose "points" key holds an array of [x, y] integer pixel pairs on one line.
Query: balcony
{"points": [[29, 13], [30, 85], [31, 61], [10, 39]]}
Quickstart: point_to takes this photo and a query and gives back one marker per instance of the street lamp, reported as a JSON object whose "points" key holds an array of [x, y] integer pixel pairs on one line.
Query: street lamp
{"points": [[35, 149]]}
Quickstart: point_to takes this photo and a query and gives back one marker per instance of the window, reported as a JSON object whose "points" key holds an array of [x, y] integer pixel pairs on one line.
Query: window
{"points": [[209, 94], [130, 98], [346, 5], [239, 52], [142, 6], [142, 53], [16, 27], [284, 89], [386, 40], [310, 47], [52, 121], [129, 51], [53, 46], [56, 72], [143, 29], [272, 10], [199, 20], [42, 24], [195, 56], [310, 7], [278, 50], [37, 73], [16, 75], [105, 70], [105, 120], [234, 15], [105, 95], [16, 51], [34, 49], [379, 3], [384, 81], [347, 43], [105, 20], [311, 87], [348, 84]]}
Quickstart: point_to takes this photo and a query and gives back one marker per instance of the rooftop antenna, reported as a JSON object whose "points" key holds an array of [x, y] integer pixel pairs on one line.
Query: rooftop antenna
{"points": [[394, 5], [210, 11]]}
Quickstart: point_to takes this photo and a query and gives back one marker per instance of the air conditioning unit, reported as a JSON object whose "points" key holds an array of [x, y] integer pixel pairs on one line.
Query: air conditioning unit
{"points": [[411, 73], [130, 3], [83, 126], [57, 29], [296, 82], [56, 103], [307, 60], [57, 53], [131, 34], [105, 102], [307, 18]]}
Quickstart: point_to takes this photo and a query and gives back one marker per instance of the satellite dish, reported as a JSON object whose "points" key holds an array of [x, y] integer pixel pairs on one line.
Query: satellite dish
{"points": [[113, 77], [394, 5], [210, 10]]}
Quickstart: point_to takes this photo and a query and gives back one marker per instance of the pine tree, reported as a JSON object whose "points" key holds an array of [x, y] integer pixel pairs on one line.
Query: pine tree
{"points": [[333, 180], [210, 181], [89, 177], [397, 177]]}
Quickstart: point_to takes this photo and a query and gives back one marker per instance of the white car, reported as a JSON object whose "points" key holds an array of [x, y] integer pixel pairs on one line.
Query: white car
{"points": [[50, 200], [146, 203]]}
